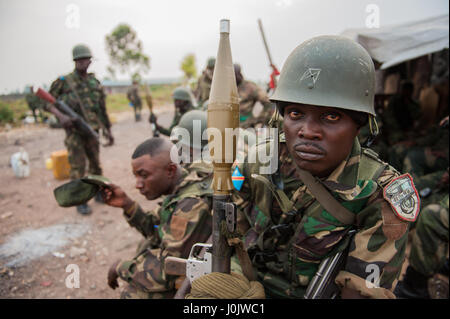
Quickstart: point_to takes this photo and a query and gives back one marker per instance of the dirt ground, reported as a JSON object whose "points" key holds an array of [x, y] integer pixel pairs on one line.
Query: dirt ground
{"points": [[39, 239]]}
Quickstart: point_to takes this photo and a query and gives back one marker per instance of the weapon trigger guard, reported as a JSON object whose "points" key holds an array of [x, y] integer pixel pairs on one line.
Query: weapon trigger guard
{"points": [[230, 216]]}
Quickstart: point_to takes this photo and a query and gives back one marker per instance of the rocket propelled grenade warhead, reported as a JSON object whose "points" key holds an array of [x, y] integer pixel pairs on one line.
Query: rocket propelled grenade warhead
{"points": [[223, 114], [223, 122]]}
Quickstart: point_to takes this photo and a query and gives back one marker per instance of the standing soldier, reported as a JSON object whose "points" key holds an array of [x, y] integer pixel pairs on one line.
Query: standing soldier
{"points": [[135, 100], [84, 94], [249, 95], [183, 101], [334, 195], [204, 82], [35, 104]]}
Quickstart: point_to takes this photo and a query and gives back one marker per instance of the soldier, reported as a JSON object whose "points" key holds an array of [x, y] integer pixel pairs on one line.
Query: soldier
{"points": [[400, 123], [428, 256], [204, 82], [249, 95], [183, 101], [180, 220], [306, 210], [35, 104], [84, 94], [188, 136], [135, 100]]}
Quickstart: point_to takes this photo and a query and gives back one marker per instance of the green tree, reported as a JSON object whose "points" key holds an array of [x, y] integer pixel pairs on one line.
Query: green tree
{"points": [[188, 66], [125, 52]]}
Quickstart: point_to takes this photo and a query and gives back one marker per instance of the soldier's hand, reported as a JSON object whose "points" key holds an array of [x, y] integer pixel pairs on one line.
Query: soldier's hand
{"points": [[110, 138], [114, 196], [66, 122], [113, 275]]}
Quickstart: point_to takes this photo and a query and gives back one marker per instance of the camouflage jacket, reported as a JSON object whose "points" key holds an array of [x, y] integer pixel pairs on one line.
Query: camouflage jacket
{"points": [[286, 248], [204, 86], [133, 96], [249, 95], [176, 119], [180, 220], [34, 102], [89, 91]]}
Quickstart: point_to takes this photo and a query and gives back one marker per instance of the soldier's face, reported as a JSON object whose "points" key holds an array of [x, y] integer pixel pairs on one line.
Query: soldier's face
{"points": [[152, 176], [82, 64], [318, 138], [182, 105]]}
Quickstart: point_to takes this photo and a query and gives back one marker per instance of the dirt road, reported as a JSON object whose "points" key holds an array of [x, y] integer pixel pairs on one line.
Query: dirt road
{"points": [[42, 245]]}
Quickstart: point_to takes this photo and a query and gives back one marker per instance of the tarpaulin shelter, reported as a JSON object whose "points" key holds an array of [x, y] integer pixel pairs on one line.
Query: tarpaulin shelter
{"points": [[391, 45]]}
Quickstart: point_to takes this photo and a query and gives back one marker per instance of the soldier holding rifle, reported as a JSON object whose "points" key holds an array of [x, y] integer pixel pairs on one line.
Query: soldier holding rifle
{"points": [[82, 92], [336, 196]]}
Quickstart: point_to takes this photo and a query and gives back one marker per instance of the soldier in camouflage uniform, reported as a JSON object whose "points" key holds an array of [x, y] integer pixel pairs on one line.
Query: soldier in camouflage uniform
{"points": [[324, 103], [182, 218], [135, 100], [429, 249], [249, 95], [83, 93], [204, 82], [35, 104], [400, 123], [183, 101]]}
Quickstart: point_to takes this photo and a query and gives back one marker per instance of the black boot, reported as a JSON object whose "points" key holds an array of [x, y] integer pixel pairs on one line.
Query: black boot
{"points": [[84, 209], [413, 286]]}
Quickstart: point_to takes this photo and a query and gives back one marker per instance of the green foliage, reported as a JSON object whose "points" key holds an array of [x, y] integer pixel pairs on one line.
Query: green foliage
{"points": [[6, 114], [188, 66], [125, 51]]}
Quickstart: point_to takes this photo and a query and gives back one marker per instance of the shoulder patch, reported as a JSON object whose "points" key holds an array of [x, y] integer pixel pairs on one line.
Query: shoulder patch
{"points": [[403, 197]]}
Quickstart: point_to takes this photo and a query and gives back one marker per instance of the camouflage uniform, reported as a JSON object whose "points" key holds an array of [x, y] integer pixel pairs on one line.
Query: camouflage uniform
{"points": [[249, 95], [399, 122], [287, 247], [133, 97], [179, 221], [430, 242], [35, 104], [204, 86], [176, 119], [91, 93]]}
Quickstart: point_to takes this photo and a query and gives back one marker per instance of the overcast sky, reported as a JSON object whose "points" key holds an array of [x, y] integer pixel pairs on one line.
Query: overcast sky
{"points": [[37, 36]]}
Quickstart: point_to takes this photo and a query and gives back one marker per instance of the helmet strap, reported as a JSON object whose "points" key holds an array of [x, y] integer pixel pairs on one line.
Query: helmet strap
{"points": [[374, 131]]}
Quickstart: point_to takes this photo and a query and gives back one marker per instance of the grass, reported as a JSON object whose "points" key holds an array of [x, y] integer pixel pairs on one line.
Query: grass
{"points": [[115, 103]]}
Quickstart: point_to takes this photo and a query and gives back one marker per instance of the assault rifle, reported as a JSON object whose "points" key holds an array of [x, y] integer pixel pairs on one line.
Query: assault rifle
{"points": [[79, 122]]}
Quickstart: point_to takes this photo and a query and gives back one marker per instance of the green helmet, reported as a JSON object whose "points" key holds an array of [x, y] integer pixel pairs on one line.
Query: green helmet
{"points": [[328, 71], [81, 51], [188, 122], [211, 62], [182, 93]]}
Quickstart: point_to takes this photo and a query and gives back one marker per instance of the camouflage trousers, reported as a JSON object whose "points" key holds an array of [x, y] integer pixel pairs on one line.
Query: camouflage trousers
{"points": [[79, 149], [430, 242], [145, 277]]}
